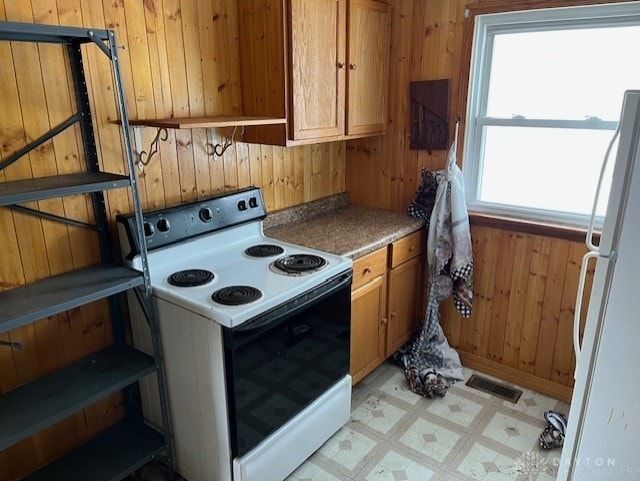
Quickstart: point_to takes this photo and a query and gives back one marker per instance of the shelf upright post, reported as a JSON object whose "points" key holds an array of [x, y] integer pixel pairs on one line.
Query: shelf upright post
{"points": [[149, 309]]}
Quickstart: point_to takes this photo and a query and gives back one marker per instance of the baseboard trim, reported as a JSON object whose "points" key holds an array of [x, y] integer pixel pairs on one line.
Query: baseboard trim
{"points": [[529, 381]]}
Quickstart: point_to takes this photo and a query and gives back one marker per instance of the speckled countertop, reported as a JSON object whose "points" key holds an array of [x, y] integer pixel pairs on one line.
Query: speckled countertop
{"points": [[333, 225]]}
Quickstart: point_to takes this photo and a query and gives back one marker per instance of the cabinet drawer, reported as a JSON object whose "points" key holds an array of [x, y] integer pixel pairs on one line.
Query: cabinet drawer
{"points": [[407, 248], [369, 267]]}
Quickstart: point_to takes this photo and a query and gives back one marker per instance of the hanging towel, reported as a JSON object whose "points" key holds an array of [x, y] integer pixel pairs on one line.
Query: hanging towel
{"points": [[449, 249], [430, 364]]}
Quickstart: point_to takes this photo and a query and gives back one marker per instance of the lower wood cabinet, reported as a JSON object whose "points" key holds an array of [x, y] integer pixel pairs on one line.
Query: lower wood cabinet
{"points": [[368, 317], [404, 301], [386, 302], [406, 287]]}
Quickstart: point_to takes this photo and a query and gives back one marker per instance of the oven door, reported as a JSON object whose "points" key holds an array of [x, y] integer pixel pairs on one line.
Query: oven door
{"points": [[281, 361]]}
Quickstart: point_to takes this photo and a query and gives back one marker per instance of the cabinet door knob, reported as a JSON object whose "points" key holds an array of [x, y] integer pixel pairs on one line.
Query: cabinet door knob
{"points": [[340, 65], [411, 248], [393, 314], [384, 321], [352, 66]]}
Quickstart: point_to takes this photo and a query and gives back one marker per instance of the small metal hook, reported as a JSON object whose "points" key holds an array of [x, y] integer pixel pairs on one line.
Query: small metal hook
{"points": [[220, 149], [163, 135], [15, 345]]}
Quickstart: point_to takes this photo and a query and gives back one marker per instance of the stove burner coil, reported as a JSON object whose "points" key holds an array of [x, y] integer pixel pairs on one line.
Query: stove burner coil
{"points": [[190, 278], [264, 250], [297, 264], [236, 295]]}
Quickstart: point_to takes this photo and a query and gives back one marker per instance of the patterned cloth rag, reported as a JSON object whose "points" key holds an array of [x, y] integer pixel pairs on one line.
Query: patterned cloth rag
{"points": [[431, 366]]}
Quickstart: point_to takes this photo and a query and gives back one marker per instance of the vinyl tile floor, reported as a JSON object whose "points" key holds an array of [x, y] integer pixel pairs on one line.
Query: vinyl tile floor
{"points": [[396, 435]]}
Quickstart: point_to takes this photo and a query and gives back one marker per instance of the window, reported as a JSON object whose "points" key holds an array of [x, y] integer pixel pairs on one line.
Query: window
{"points": [[546, 89]]}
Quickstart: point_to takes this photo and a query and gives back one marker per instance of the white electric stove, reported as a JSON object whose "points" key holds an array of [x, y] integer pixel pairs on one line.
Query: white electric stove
{"points": [[255, 337]]}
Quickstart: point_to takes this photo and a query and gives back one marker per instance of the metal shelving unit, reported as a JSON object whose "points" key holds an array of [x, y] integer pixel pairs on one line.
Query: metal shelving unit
{"points": [[122, 449]]}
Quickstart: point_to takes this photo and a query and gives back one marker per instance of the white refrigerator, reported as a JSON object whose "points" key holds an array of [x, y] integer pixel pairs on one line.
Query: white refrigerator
{"points": [[603, 434]]}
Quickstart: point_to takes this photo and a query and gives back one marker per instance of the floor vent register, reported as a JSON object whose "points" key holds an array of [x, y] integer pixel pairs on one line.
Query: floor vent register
{"points": [[497, 389]]}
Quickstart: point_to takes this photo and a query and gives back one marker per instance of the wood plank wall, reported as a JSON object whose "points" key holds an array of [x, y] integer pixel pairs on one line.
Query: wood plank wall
{"points": [[524, 298], [180, 58]]}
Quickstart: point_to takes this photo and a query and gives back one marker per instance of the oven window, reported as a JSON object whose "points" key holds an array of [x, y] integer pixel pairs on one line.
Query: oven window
{"points": [[277, 369]]}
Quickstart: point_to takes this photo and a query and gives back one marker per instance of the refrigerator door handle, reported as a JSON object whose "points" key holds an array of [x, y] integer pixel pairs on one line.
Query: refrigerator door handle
{"points": [[578, 310], [592, 219]]}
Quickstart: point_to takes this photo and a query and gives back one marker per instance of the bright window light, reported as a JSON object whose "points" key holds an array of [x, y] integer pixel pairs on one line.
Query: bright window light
{"points": [[546, 91]]}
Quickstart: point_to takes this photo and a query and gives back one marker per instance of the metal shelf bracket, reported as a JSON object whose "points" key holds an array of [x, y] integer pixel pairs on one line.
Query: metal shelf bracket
{"points": [[144, 158], [215, 149]]}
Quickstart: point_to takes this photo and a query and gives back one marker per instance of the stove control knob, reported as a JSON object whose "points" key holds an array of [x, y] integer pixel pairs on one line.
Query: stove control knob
{"points": [[163, 225], [206, 214], [253, 202], [242, 205], [148, 229]]}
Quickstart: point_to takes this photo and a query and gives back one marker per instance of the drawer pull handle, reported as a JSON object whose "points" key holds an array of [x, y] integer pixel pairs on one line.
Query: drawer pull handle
{"points": [[367, 270]]}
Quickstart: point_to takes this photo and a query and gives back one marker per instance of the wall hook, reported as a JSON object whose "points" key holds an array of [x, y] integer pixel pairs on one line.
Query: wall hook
{"points": [[143, 157], [219, 149]]}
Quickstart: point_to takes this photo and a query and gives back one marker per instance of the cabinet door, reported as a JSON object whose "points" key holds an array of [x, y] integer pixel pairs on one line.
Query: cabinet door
{"points": [[368, 69], [368, 319], [317, 68], [405, 289]]}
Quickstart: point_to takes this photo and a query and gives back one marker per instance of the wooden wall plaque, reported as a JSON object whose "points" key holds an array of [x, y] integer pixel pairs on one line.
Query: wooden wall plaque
{"points": [[429, 115]]}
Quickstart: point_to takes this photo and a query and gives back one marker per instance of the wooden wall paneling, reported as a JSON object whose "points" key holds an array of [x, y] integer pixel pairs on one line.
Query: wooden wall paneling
{"points": [[209, 42], [399, 61], [226, 11], [210, 68], [501, 296], [324, 171], [432, 28], [316, 164], [242, 164], [157, 101], [306, 170], [384, 194], [195, 144], [354, 183], [193, 57], [181, 97], [486, 284], [302, 157], [514, 319], [279, 176], [186, 165], [230, 161], [533, 304], [551, 307], [562, 354], [468, 327], [268, 188], [289, 175], [336, 167]]}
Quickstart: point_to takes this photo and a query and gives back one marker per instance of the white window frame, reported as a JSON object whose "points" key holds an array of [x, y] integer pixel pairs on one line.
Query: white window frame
{"points": [[486, 27]]}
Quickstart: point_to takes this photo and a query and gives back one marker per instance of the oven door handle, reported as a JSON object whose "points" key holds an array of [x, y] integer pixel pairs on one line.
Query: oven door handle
{"points": [[285, 311]]}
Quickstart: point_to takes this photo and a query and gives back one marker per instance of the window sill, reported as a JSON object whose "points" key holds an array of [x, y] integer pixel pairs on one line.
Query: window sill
{"points": [[547, 229]]}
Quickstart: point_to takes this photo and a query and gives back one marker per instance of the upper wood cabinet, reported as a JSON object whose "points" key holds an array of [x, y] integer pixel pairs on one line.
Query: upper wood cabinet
{"points": [[368, 67], [317, 68], [321, 64]]}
